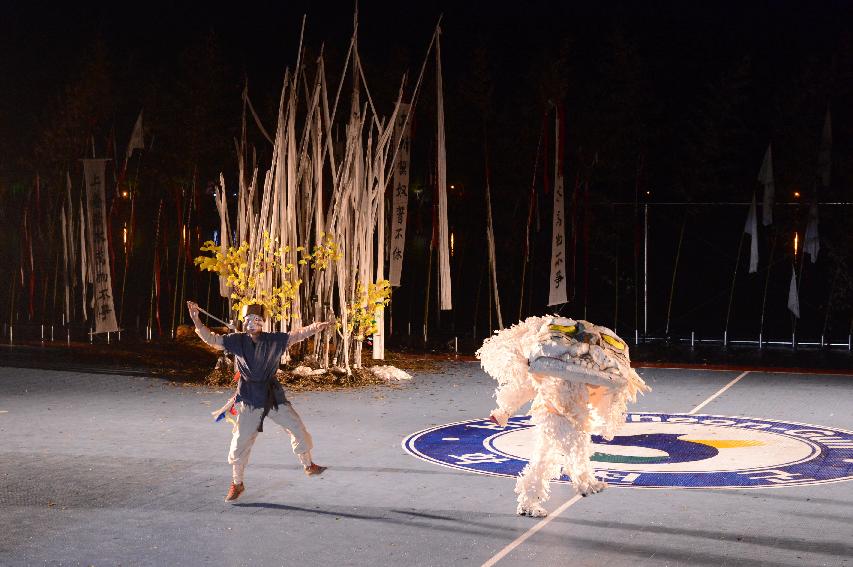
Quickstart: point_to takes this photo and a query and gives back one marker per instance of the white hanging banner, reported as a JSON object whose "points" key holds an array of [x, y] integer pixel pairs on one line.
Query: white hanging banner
{"points": [[557, 294], [441, 186], [400, 198], [137, 140], [99, 257]]}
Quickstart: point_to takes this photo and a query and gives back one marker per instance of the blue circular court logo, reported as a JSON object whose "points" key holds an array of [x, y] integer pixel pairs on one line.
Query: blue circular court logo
{"points": [[656, 450]]}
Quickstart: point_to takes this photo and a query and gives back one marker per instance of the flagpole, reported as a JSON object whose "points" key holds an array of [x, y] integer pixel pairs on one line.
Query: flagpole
{"points": [[732, 292], [766, 285], [12, 303], [530, 205], [178, 254], [793, 317], [55, 286], [674, 272], [129, 245], [637, 248], [426, 291], [477, 299], [616, 293], [646, 270], [154, 268], [829, 301], [187, 241], [795, 320]]}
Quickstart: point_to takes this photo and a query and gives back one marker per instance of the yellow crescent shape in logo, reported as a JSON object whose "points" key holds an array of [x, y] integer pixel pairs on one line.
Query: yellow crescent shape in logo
{"points": [[727, 443]]}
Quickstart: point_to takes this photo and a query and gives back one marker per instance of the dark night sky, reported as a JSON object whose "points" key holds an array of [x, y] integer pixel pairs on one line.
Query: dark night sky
{"points": [[688, 42], [683, 44]]}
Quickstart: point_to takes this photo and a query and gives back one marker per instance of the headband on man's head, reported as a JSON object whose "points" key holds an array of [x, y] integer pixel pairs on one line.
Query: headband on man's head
{"points": [[253, 309]]}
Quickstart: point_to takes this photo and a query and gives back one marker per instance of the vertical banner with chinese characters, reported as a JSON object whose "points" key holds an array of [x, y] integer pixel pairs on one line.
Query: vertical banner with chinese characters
{"points": [[99, 261], [400, 199], [557, 294]]}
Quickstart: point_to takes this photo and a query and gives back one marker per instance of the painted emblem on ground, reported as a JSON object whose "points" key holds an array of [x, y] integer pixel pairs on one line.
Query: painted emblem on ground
{"points": [[656, 450]]}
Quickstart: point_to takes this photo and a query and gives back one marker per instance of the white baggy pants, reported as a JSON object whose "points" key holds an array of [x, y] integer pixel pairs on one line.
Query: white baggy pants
{"points": [[246, 431]]}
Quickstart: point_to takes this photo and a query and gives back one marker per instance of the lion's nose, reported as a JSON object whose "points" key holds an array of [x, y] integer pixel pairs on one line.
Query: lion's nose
{"points": [[588, 338]]}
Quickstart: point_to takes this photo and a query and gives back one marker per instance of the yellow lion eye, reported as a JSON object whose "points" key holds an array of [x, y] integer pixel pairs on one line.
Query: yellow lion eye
{"points": [[568, 329], [615, 343]]}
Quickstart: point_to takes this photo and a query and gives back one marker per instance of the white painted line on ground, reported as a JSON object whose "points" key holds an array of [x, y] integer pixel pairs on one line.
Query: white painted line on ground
{"points": [[719, 393], [521, 539]]}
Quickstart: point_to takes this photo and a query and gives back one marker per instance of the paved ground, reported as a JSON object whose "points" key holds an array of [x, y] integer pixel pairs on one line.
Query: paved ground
{"points": [[99, 469]]}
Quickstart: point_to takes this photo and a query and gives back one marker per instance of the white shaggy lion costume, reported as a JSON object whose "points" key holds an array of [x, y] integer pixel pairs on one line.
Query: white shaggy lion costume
{"points": [[580, 379]]}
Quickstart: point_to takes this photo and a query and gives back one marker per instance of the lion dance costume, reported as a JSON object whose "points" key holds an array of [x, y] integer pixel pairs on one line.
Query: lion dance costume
{"points": [[580, 379]]}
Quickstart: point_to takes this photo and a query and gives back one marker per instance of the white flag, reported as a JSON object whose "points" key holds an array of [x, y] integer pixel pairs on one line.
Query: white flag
{"points": [[824, 160], [400, 192], [765, 177], [811, 244], [793, 296], [137, 141], [557, 294], [751, 228], [99, 257]]}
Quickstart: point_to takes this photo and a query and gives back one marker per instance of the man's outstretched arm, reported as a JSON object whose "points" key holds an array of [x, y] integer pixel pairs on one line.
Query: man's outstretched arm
{"points": [[201, 329], [298, 335]]}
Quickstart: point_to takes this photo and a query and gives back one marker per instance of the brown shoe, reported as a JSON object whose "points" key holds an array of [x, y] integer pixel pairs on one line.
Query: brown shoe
{"points": [[235, 491], [314, 469]]}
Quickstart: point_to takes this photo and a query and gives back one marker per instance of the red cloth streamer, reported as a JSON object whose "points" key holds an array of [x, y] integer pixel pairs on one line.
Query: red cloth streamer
{"points": [[561, 115], [157, 289]]}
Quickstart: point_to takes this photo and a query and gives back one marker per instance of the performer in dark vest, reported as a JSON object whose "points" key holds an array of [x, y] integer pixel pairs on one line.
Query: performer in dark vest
{"points": [[259, 395]]}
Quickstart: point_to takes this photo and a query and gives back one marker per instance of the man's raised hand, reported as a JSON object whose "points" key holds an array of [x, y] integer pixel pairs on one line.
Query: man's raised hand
{"points": [[194, 310]]}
